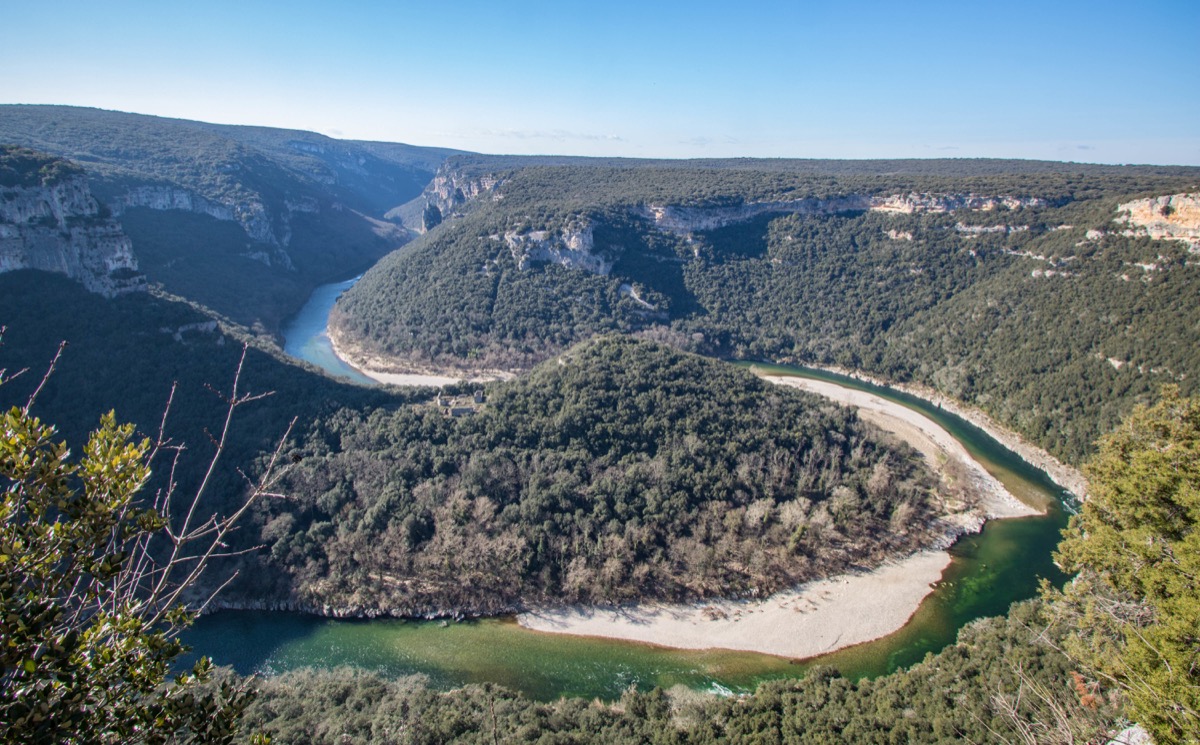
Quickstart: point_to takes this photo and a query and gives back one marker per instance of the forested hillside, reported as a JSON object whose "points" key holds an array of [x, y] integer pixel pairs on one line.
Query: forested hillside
{"points": [[624, 470], [126, 354], [621, 470], [1002, 284], [246, 220]]}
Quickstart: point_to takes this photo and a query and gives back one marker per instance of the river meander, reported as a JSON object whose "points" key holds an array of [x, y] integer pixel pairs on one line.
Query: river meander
{"points": [[989, 571]]}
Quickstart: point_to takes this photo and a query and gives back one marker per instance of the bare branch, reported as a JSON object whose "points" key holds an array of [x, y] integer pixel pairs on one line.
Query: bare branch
{"points": [[42, 384]]}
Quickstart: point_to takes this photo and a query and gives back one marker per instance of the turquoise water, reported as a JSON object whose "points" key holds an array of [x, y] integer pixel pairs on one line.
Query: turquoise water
{"points": [[305, 336], [989, 571]]}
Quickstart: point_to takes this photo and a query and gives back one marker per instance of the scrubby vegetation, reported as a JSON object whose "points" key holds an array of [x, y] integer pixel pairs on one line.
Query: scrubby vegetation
{"points": [[22, 167], [1134, 606]]}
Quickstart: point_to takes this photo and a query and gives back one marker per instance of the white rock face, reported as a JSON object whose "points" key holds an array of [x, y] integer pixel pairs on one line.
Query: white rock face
{"points": [[451, 189], [573, 249], [684, 220], [985, 229], [1170, 218], [58, 228], [914, 203], [170, 198], [252, 215]]}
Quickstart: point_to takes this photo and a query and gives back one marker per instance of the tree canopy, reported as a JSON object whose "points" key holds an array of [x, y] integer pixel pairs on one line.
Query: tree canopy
{"points": [[1136, 550]]}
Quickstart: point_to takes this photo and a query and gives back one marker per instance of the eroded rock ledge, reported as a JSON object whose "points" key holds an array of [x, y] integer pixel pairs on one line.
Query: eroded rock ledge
{"points": [[62, 228]]}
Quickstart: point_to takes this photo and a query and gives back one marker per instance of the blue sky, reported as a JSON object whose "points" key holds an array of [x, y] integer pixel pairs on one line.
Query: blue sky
{"points": [[1084, 81]]}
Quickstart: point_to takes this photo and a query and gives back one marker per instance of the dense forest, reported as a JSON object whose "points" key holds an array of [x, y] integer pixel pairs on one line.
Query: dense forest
{"points": [[1006, 306], [620, 467], [620, 470], [626, 470]]}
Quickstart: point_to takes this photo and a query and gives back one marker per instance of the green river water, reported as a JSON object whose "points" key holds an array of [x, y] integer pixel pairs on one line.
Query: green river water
{"points": [[990, 570]]}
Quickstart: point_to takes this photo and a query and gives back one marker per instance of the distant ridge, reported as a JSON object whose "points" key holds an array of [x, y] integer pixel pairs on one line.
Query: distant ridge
{"points": [[246, 220]]}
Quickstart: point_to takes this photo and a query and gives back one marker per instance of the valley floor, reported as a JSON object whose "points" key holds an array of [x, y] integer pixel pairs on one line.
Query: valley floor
{"points": [[830, 614]]}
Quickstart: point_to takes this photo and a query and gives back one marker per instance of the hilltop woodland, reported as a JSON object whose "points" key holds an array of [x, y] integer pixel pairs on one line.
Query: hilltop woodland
{"points": [[622, 468], [1046, 316]]}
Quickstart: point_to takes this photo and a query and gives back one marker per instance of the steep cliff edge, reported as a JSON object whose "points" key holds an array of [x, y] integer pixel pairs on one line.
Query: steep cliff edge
{"points": [[1173, 218], [690, 219], [448, 194], [49, 220]]}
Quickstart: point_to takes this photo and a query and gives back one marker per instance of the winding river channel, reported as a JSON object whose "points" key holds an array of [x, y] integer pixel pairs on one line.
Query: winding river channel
{"points": [[989, 571]]}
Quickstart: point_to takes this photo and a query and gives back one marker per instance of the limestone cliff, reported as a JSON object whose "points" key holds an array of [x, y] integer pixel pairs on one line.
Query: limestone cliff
{"points": [[450, 191], [250, 213], [688, 219], [914, 203], [60, 227], [572, 247], [1172, 218]]}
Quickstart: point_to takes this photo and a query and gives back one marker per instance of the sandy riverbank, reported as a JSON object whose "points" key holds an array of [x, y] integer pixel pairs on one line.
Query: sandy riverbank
{"points": [[1068, 477], [817, 618], [373, 369], [829, 614], [944, 454]]}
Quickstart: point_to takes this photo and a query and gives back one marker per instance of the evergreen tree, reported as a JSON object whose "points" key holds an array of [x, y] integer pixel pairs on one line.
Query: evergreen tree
{"points": [[1136, 550]]}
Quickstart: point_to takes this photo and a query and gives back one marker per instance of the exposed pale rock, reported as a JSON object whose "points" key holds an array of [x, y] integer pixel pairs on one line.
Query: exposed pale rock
{"points": [[574, 248], [60, 228], [985, 229], [252, 215], [689, 219], [914, 203], [1171, 218]]}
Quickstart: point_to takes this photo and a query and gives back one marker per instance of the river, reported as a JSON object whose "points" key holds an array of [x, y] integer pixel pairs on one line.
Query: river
{"points": [[306, 336], [989, 571]]}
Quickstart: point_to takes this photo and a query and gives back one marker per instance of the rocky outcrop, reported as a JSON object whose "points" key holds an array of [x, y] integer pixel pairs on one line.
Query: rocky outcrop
{"points": [[450, 190], [251, 214], [169, 198], [573, 247], [689, 219], [913, 203], [1171, 218], [62, 228], [975, 230], [448, 193]]}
